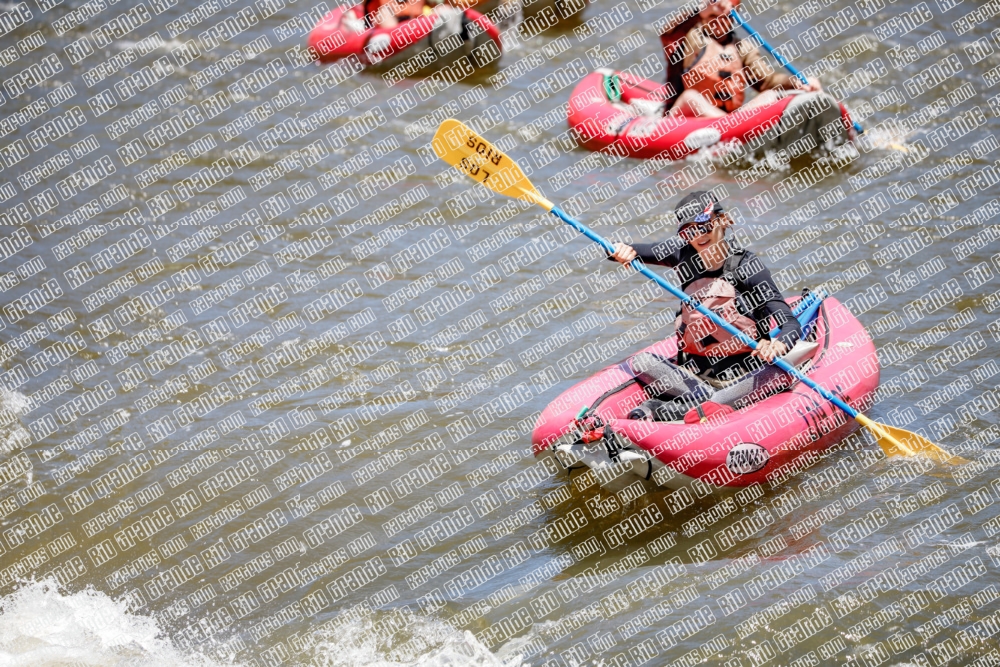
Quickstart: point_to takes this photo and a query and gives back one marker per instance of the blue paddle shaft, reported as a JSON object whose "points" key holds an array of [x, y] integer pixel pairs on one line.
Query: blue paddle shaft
{"points": [[804, 311], [756, 35], [688, 301], [780, 58]]}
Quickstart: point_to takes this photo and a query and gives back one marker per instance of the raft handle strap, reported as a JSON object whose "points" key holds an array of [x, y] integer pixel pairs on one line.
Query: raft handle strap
{"points": [[613, 87]]}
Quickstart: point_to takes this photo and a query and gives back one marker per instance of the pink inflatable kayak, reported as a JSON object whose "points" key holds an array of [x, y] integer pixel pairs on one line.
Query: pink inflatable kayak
{"points": [[427, 39], [758, 444], [609, 108]]}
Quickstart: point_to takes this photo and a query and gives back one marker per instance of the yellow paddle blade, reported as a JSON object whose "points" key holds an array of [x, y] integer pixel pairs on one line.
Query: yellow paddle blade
{"points": [[900, 442], [477, 158]]}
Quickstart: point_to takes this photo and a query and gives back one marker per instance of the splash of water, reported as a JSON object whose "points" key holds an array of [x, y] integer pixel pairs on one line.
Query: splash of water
{"points": [[44, 626], [407, 640], [13, 435]]}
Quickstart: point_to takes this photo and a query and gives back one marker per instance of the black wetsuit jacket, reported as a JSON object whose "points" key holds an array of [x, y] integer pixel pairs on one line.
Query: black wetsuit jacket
{"points": [[757, 296]]}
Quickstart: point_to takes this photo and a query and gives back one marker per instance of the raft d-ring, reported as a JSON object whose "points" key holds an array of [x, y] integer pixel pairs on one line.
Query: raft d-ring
{"points": [[613, 87]]}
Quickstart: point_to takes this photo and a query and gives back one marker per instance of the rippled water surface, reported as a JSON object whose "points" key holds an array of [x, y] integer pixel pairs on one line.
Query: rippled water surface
{"points": [[231, 428]]}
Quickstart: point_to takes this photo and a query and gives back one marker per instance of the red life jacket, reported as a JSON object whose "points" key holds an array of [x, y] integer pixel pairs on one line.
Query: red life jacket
{"points": [[700, 336], [718, 74]]}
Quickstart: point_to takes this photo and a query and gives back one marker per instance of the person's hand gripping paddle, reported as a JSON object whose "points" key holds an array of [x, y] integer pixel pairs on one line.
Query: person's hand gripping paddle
{"points": [[476, 157]]}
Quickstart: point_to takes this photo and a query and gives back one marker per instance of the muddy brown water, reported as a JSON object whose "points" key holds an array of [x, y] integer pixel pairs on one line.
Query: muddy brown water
{"points": [[244, 410]]}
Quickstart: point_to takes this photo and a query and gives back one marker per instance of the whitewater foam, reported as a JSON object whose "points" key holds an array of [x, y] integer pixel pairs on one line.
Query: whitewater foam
{"points": [[400, 639], [43, 626], [13, 435]]}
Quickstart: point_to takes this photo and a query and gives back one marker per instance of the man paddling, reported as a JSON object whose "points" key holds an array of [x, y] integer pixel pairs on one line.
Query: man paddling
{"points": [[708, 69], [732, 282]]}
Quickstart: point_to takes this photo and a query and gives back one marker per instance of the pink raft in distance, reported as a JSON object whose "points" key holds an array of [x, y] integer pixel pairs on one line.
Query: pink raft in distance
{"points": [[624, 113], [420, 45], [760, 443]]}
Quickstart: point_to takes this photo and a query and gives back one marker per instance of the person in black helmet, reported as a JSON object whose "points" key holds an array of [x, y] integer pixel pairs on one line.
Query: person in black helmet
{"points": [[729, 280]]}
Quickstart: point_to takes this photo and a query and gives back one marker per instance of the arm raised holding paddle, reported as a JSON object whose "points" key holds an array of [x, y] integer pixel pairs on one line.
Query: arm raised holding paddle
{"points": [[729, 280]]}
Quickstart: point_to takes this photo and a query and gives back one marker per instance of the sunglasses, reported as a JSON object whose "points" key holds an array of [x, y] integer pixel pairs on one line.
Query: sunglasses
{"points": [[696, 229]]}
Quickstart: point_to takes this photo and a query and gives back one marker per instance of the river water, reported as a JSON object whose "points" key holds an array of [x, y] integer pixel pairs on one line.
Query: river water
{"points": [[230, 424]]}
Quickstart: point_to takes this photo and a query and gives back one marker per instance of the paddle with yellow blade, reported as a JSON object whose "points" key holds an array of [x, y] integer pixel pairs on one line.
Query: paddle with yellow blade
{"points": [[476, 157]]}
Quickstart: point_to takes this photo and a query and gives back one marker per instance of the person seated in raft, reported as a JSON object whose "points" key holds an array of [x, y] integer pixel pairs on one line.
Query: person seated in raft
{"points": [[732, 282], [710, 71], [389, 13]]}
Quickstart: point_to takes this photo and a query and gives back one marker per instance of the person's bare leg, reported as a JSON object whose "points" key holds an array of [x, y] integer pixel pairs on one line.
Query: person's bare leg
{"points": [[385, 17], [766, 97], [693, 104]]}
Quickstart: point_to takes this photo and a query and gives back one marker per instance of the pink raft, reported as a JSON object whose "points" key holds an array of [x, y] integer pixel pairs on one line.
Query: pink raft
{"points": [[423, 41], [619, 110], [761, 443]]}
